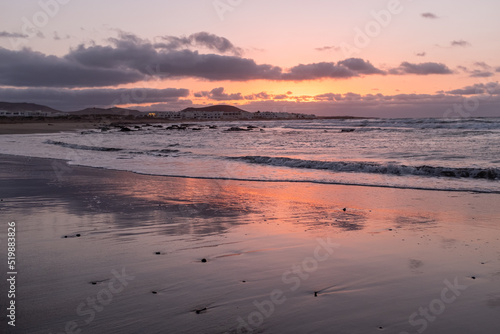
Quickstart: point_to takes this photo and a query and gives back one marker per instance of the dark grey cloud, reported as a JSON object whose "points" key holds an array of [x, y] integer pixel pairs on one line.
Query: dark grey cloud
{"points": [[318, 71], [214, 67], [378, 105], [400, 105], [421, 69], [492, 88], [498, 69], [347, 68], [360, 66], [482, 64], [461, 43], [34, 69], [203, 39], [484, 71], [169, 106], [429, 15], [172, 42], [57, 37], [133, 53], [280, 97], [129, 52], [421, 54], [130, 59], [259, 96], [328, 97], [219, 94], [329, 48], [6, 34], [481, 74], [214, 42], [70, 100]]}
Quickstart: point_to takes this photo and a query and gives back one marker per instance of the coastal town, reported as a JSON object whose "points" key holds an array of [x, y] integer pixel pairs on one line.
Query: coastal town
{"points": [[218, 112]]}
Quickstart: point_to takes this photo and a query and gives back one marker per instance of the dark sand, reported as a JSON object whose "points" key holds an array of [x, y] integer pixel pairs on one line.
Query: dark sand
{"points": [[280, 257]]}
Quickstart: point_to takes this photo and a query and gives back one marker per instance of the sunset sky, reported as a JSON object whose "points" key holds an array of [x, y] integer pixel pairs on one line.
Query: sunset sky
{"points": [[385, 58]]}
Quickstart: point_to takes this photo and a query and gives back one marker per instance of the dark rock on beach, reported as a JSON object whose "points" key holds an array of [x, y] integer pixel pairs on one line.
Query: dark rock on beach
{"points": [[201, 310], [235, 129]]}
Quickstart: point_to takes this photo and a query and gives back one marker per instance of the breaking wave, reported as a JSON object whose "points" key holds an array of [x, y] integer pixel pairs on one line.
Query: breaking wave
{"points": [[83, 147], [375, 168]]}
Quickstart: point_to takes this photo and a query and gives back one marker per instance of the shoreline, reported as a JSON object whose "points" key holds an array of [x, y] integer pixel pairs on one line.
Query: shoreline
{"points": [[62, 161]]}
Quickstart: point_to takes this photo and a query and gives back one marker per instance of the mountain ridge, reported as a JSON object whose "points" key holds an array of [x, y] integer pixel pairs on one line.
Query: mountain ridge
{"points": [[24, 106]]}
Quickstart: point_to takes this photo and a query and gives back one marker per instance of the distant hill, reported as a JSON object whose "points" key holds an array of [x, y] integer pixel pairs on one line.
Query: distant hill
{"points": [[25, 107], [102, 111], [221, 107]]}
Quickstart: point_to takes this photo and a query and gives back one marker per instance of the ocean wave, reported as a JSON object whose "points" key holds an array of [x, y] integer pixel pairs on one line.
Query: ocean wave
{"points": [[83, 147], [398, 124], [371, 167], [157, 152]]}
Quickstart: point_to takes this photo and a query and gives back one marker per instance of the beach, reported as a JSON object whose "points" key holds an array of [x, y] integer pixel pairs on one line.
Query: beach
{"points": [[13, 127], [106, 251], [249, 167]]}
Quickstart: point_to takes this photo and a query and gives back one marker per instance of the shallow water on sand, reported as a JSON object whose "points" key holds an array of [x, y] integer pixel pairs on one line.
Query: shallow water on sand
{"points": [[280, 257]]}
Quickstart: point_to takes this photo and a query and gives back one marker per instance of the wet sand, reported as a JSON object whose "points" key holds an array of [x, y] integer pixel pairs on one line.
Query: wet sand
{"points": [[115, 252]]}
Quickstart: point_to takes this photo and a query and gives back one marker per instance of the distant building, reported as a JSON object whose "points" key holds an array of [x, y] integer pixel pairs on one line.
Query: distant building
{"points": [[281, 115], [27, 113], [224, 115], [201, 115], [166, 114]]}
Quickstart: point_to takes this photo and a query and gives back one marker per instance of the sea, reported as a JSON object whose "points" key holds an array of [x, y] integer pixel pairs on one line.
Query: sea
{"points": [[433, 154]]}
